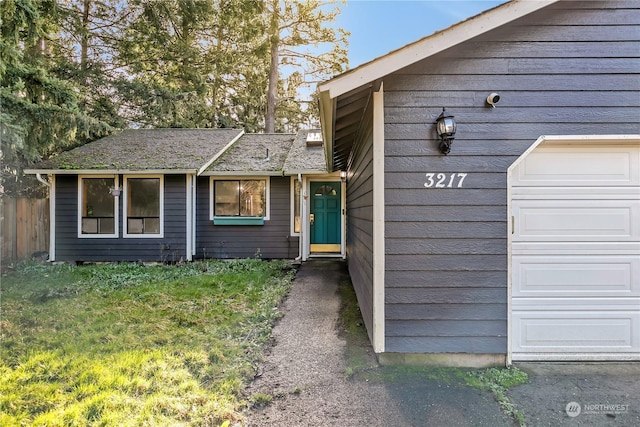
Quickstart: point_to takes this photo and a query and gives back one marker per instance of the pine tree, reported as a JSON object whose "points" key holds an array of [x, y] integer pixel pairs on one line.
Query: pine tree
{"points": [[39, 113]]}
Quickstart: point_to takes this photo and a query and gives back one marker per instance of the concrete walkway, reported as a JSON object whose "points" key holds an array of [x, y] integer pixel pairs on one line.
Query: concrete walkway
{"points": [[306, 373]]}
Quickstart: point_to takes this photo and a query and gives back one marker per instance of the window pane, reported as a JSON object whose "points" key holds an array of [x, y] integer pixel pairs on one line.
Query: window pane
{"points": [[297, 185], [89, 225], [152, 225], [252, 198], [240, 198], [98, 205], [135, 225], [325, 190], [107, 225], [226, 198], [143, 197]]}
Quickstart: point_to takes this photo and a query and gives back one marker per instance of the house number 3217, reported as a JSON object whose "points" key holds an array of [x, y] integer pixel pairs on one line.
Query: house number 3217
{"points": [[445, 180]]}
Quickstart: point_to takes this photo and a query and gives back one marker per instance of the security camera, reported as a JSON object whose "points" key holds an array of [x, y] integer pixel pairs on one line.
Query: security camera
{"points": [[493, 99]]}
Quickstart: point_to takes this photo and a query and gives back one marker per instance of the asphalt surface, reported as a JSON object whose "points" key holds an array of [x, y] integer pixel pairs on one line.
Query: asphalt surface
{"points": [[308, 374]]}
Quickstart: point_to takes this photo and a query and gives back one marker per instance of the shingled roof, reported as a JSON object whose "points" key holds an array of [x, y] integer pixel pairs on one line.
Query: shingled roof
{"points": [[256, 152], [287, 154], [303, 158], [208, 151], [145, 149]]}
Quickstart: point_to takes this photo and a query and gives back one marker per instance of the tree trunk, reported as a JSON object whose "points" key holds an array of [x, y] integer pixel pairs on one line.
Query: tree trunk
{"points": [[84, 40], [272, 90]]}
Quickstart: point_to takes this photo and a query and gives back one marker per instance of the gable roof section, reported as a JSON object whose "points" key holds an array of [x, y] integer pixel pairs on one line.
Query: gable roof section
{"points": [[257, 153], [288, 154], [359, 82], [144, 150]]}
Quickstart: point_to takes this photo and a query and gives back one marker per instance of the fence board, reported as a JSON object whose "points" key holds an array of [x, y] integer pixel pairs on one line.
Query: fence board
{"points": [[24, 224]]}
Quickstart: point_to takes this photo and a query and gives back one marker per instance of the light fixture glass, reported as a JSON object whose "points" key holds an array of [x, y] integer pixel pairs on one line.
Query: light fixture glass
{"points": [[446, 128]]}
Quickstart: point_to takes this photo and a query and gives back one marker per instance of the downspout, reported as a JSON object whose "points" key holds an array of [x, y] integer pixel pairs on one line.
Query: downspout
{"points": [[52, 214], [194, 218], [301, 228], [189, 218], [42, 180]]}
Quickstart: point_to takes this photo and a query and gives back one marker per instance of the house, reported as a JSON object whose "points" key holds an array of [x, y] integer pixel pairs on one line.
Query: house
{"points": [[182, 194], [518, 239]]}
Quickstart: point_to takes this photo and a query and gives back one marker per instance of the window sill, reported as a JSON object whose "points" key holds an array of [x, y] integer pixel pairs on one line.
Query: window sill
{"points": [[231, 220]]}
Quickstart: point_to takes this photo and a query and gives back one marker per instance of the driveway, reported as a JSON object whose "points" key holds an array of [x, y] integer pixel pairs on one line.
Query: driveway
{"points": [[309, 373]]}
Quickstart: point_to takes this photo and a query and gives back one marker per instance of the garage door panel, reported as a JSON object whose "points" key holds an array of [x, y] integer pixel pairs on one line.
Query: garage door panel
{"points": [[578, 220], [572, 166], [575, 253], [576, 248], [556, 331], [591, 304], [578, 276], [574, 193]]}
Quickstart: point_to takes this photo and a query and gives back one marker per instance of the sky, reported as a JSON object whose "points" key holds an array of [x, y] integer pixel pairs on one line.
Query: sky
{"points": [[379, 26]]}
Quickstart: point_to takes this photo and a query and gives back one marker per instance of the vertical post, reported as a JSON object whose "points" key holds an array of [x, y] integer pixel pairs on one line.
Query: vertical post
{"points": [[378, 223]]}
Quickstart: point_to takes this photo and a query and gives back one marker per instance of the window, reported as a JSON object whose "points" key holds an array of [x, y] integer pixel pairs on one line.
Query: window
{"points": [[240, 198], [143, 206], [297, 188], [97, 207]]}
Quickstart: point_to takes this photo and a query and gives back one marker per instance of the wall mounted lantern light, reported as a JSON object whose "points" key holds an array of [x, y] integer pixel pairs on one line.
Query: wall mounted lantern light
{"points": [[343, 176], [446, 127]]}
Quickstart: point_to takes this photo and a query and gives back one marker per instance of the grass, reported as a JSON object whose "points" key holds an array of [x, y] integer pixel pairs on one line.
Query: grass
{"points": [[126, 344], [498, 381], [358, 359]]}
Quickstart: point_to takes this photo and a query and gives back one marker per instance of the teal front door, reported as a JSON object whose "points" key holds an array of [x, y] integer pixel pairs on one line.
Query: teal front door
{"points": [[324, 218]]}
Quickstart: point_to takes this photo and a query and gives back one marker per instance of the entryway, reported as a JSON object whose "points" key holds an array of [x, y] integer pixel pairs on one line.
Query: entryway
{"points": [[325, 228]]}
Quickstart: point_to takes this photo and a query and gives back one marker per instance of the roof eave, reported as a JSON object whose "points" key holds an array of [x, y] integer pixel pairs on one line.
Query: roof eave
{"points": [[327, 114], [110, 171], [242, 173]]}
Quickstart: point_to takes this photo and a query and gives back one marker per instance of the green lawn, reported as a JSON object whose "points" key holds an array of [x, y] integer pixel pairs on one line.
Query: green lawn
{"points": [[126, 344]]}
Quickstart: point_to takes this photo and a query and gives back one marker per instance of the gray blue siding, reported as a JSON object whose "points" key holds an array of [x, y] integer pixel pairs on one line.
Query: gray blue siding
{"points": [[271, 240], [360, 220], [572, 68], [170, 248]]}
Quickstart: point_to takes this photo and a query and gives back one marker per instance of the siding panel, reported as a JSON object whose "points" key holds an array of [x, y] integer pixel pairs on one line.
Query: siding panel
{"points": [[446, 262], [170, 248], [360, 221], [271, 240]]}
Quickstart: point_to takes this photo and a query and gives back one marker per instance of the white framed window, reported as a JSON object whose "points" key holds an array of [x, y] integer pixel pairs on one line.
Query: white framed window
{"points": [[239, 198], [97, 206], [143, 206], [296, 192]]}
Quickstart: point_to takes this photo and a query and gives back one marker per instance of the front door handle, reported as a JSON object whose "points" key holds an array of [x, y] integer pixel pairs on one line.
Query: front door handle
{"points": [[312, 218]]}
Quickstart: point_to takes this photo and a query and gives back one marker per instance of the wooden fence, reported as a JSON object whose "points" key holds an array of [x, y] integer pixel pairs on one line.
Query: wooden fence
{"points": [[24, 224]]}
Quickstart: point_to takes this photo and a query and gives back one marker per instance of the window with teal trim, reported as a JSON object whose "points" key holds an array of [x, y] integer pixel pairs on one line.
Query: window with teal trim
{"points": [[245, 198]]}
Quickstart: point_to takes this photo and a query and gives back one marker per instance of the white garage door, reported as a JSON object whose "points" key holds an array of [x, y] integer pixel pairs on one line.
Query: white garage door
{"points": [[576, 253]]}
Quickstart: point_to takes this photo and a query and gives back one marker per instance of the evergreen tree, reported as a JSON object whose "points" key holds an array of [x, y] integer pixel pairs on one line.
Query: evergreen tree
{"points": [[193, 63], [39, 113]]}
